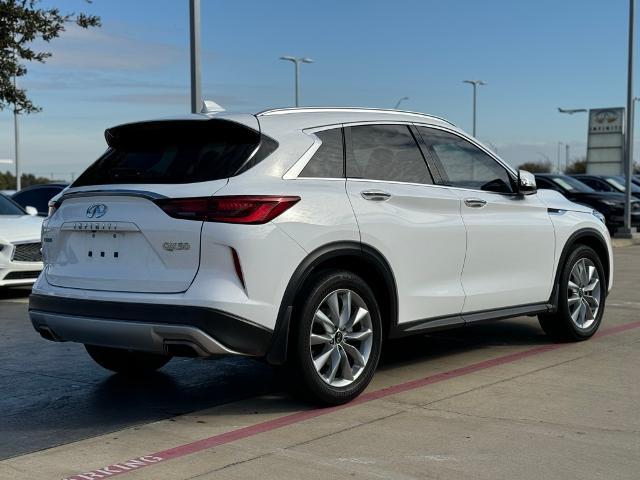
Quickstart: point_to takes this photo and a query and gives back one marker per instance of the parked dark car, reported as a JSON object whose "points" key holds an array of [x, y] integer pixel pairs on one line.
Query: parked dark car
{"points": [[610, 204], [38, 196], [607, 183]]}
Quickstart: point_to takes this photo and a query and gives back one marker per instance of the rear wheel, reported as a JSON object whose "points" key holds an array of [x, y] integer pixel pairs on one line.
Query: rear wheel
{"points": [[127, 362], [581, 298], [336, 338]]}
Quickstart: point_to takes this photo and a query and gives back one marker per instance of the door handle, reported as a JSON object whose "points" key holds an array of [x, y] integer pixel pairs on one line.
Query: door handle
{"points": [[375, 195], [475, 202]]}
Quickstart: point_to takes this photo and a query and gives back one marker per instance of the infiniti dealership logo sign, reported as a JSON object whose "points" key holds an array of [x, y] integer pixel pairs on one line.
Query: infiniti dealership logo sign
{"points": [[96, 211]]}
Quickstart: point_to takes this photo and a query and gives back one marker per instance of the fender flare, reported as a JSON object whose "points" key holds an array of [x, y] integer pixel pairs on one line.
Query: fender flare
{"points": [[277, 353], [575, 237]]}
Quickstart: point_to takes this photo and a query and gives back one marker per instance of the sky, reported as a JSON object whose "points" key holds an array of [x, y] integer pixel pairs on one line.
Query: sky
{"points": [[535, 56]]}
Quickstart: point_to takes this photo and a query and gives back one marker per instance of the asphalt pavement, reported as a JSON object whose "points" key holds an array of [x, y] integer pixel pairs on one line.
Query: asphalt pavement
{"points": [[491, 401]]}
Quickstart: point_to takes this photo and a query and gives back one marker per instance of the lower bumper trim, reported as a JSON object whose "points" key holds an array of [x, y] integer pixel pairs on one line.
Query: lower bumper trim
{"points": [[149, 337], [74, 316]]}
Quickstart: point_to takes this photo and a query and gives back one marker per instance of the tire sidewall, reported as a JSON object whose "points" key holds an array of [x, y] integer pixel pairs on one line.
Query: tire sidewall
{"points": [[320, 286], [563, 307]]}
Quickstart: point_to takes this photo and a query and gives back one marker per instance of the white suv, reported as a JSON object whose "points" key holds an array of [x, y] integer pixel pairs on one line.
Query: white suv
{"points": [[307, 237]]}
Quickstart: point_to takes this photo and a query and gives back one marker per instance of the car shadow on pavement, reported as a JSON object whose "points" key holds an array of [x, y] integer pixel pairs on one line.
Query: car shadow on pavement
{"points": [[516, 332], [89, 401]]}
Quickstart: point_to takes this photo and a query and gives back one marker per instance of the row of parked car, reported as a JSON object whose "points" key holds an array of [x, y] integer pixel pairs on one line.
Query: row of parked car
{"points": [[21, 216], [604, 193]]}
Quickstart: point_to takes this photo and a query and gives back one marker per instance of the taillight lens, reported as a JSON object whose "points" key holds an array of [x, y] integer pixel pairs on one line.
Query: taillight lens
{"points": [[251, 210]]}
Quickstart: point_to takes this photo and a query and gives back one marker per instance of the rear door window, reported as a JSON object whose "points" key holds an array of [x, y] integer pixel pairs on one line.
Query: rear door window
{"points": [[328, 161], [184, 151], [385, 152]]}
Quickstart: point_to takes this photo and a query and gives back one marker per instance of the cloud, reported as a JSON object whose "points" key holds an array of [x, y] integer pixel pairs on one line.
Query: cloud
{"points": [[56, 80], [99, 49]]}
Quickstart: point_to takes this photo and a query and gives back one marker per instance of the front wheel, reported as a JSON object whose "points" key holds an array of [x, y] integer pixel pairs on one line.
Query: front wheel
{"points": [[336, 338], [127, 362], [581, 298]]}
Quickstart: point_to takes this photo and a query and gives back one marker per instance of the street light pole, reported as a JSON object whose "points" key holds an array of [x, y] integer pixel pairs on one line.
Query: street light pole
{"points": [[194, 44], [626, 231], [558, 156], [400, 100], [297, 61], [569, 111], [475, 84], [16, 138]]}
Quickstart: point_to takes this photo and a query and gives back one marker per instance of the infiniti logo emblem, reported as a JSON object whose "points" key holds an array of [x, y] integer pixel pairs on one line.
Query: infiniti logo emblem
{"points": [[96, 211]]}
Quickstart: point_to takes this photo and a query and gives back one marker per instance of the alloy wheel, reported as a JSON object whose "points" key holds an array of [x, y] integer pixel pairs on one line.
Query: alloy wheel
{"points": [[341, 337], [583, 293]]}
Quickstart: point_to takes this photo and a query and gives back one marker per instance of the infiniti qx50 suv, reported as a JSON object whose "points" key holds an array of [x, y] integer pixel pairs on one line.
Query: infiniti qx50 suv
{"points": [[306, 237]]}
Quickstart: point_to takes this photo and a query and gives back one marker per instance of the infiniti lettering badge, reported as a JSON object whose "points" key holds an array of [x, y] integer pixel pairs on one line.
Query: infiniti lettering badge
{"points": [[96, 211]]}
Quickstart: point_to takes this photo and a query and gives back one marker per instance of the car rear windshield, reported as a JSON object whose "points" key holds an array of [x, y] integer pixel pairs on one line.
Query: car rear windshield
{"points": [[184, 151]]}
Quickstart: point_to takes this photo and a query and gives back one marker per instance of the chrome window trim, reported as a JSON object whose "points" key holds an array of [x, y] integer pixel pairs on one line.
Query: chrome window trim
{"points": [[394, 182]]}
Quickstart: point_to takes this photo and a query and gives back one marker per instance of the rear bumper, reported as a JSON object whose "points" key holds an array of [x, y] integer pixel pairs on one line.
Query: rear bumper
{"points": [[160, 328]]}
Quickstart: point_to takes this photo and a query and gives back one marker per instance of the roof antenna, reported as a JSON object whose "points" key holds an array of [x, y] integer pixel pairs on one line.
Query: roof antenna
{"points": [[209, 106]]}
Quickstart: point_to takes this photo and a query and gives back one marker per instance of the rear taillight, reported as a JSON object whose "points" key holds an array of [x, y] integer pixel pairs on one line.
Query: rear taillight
{"points": [[252, 210]]}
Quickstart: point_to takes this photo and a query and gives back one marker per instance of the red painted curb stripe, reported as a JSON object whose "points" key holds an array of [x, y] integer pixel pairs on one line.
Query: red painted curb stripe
{"points": [[251, 430]]}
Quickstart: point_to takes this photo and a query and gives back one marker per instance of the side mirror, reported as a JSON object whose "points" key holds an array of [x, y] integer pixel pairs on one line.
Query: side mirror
{"points": [[526, 183], [33, 211]]}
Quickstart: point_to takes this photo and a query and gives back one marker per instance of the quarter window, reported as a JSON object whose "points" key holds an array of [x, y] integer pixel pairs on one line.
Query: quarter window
{"points": [[385, 152], [462, 164], [328, 161]]}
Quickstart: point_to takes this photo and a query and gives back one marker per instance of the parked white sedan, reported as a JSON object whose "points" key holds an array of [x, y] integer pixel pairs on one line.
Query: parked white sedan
{"points": [[20, 256]]}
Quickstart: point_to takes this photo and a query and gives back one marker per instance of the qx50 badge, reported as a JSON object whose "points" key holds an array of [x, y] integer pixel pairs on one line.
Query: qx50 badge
{"points": [[172, 246], [96, 211]]}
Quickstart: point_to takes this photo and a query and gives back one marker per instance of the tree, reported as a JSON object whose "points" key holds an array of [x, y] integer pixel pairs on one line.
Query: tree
{"points": [[21, 23], [537, 167], [8, 180], [579, 166]]}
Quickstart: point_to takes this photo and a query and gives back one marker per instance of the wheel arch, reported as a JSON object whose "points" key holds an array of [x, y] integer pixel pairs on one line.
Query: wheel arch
{"points": [[362, 260], [591, 238]]}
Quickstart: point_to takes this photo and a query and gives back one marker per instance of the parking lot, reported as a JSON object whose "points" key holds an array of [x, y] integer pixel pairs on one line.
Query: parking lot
{"points": [[490, 401]]}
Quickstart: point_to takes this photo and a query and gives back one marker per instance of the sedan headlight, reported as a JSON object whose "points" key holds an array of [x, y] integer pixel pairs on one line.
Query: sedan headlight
{"points": [[598, 215]]}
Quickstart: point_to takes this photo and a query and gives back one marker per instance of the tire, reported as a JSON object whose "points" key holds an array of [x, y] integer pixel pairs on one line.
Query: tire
{"points": [[127, 362], [567, 323], [322, 356]]}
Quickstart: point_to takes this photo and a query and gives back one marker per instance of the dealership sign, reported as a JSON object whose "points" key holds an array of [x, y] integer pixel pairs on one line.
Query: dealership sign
{"points": [[605, 142]]}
